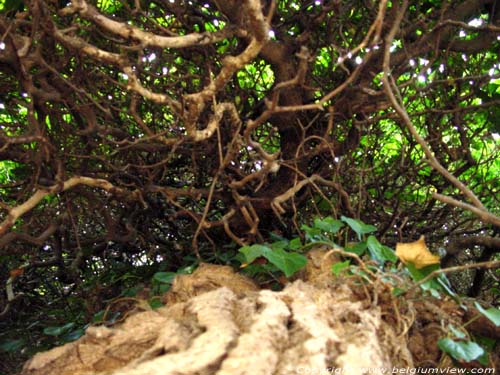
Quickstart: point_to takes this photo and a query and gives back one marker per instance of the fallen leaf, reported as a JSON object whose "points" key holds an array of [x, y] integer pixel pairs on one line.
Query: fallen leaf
{"points": [[416, 253]]}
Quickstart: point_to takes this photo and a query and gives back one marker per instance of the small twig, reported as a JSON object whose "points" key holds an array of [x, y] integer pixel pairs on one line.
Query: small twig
{"points": [[349, 254], [433, 274]]}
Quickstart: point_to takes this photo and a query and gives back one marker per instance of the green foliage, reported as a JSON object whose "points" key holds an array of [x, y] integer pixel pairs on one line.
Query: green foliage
{"points": [[257, 76], [107, 6], [492, 313], [164, 277], [337, 268], [7, 6], [286, 255], [57, 331], [328, 225], [378, 252], [435, 285], [323, 230], [287, 262], [467, 351], [12, 345], [66, 333]]}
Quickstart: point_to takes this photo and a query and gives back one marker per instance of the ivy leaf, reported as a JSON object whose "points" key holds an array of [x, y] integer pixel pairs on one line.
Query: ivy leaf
{"points": [[279, 245], [12, 345], [111, 318], [418, 274], [253, 252], [458, 334], [155, 303], [287, 262], [295, 244], [338, 267], [56, 331], [434, 286], [357, 248], [443, 281], [328, 224], [358, 226], [313, 234], [461, 350], [492, 313], [379, 252], [398, 291], [73, 335], [164, 277], [277, 237]]}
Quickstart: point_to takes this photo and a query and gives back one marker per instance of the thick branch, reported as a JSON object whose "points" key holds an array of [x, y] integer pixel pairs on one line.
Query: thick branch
{"points": [[470, 241], [18, 211], [145, 38]]}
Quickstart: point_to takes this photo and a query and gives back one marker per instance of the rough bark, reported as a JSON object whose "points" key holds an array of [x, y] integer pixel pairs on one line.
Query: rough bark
{"points": [[217, 322]]}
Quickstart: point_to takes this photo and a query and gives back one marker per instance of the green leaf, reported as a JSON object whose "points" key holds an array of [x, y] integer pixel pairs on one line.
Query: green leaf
{"points": [[16, 5], [492, 313], [457, 333], [379, 252], [338, 267], [443, 281], [73, 335], [108, 6], [12, 345], [361, 273], [419, 274], [312, 234], [56, 331], [279, 245], [328, 224], [288, 263], [435, 285], [358, 248], [358, 226], [155, 303], [164, 277], [131, 292], [276, 237], [163, 288], [110, 316], [98, 317], [295, 244], [398, 291], [461, 350], [488, 344], [186, 270], [253, 252]]}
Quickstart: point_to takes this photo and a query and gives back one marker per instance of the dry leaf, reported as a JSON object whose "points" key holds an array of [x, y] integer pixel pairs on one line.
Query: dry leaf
{"points": [[416, 253]]}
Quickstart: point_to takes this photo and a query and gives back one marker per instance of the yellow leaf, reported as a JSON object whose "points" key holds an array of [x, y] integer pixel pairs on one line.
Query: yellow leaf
{"points": [[416, 253]]}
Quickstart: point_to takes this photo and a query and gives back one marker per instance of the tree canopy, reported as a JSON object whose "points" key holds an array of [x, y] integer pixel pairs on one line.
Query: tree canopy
{"points": [[152, 131]]}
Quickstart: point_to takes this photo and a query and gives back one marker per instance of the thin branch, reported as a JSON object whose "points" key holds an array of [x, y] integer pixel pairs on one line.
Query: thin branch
{"points": [[432, 275], [391, 90]]}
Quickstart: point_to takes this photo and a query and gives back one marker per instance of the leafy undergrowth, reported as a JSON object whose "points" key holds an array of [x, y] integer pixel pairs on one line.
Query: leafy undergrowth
{"points": [[420, 315], [218, 321], [411, 273]]}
